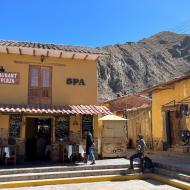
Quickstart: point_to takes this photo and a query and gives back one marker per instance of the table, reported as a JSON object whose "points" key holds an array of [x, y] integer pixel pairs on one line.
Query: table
{"points": [[73, 150], [4, 152], [8, 154]]}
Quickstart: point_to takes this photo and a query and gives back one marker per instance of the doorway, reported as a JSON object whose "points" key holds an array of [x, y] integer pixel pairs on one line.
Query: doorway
{"points": [[168, 129], [172, 128], [38, 139]]}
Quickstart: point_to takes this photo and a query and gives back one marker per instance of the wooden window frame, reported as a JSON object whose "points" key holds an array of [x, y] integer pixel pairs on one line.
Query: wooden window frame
{"points": [[40, 90]]}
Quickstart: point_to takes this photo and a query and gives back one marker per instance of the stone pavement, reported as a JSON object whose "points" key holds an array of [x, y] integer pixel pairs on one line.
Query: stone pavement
{"points": [[170, 159], [180, 160], [164, 157], [116, 185]]}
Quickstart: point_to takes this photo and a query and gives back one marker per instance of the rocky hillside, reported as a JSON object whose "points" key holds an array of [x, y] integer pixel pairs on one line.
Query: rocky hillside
{"points": [[132, 67]]}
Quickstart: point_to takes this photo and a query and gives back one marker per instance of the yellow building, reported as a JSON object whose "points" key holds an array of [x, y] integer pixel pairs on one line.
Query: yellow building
{"points": [[48, 95], [170, 115]]}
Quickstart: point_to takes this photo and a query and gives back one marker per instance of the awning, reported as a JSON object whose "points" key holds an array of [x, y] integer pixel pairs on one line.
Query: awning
{"points": [[54, 109], [174, 105], [112, 118]]}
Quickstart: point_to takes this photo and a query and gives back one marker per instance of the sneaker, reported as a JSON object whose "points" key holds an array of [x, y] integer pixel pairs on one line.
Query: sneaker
{"points": [[93, 163]]}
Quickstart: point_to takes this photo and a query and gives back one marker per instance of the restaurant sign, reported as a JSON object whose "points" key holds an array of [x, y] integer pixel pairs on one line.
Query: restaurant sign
{"points": [[9, 78]]}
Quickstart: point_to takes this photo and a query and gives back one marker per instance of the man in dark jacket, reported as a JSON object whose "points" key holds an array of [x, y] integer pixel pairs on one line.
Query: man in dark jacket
{"points": [[89, 148], [140, 152]]}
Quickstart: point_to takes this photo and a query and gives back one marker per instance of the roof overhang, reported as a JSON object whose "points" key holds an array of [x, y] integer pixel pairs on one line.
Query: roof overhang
{"points": [[48, 53], [167, 85], [157, 89], [173, 105], [144, 106], [54, 109]]}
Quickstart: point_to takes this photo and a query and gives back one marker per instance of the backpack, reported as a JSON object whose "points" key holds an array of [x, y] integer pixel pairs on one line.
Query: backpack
{"points": [[148, 163]]}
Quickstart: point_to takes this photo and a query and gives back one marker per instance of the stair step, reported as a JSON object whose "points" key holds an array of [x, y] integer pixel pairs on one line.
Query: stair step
{"points": [[26, 183], [66, 174], [60, 169], [173, 174], [173, 168]]}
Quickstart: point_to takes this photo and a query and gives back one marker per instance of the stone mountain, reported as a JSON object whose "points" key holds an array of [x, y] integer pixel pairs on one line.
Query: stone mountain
{"points": [[132, 67]]}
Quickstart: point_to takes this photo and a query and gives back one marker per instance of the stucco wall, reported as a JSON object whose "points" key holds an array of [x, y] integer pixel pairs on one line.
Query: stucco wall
{"points": [[139, 122], [177, 92], [4, 119], [62, 69]]}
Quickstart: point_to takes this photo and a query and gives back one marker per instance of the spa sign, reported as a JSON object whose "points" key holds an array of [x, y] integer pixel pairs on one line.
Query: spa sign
{"points": [[9, 78], [75, 81]]}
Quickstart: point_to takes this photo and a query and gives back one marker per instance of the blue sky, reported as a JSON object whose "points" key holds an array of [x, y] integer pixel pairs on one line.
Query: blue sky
{"points": [[91, 22]]}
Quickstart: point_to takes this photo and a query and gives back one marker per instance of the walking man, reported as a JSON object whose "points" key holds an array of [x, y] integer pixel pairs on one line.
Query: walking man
{"points": [[89, 148], [140, 152]]}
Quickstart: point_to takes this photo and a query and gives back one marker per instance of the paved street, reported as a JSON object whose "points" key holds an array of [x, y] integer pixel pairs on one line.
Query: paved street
{"points": [[119, 185]]}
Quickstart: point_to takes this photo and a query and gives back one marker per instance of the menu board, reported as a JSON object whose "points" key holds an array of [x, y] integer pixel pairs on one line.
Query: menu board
{"points": [[62, 128], [15, 122], [87, 123]]}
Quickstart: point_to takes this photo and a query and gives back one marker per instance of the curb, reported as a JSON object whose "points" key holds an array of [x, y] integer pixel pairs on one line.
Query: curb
{"points": [[16, 184], [162, 179], [172, 182]]}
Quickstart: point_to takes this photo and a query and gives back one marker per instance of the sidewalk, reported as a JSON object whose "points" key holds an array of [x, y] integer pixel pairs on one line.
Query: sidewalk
{"points": [[173, 159], [104, 170], [167, 158], [108, 185]]}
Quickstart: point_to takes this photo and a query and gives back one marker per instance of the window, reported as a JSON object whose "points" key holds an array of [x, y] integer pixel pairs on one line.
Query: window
{"points": [[40, 85], [45, 77], [34, 77]]}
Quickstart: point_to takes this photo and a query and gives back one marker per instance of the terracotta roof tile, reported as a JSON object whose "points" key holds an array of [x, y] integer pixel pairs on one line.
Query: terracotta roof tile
{"points": [[53, 109], [128, 102], [67, 48]]}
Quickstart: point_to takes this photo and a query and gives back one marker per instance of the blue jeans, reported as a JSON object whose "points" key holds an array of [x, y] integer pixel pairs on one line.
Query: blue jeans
{"points": [[140, 156], [91, 154]]}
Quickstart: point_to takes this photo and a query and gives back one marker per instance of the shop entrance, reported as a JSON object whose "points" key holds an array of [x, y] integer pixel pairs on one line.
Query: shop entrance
{"points": [[172, 128], [38, 139]]}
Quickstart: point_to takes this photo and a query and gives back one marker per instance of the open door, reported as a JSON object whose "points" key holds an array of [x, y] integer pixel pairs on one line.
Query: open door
{"points": [[38, 139]]}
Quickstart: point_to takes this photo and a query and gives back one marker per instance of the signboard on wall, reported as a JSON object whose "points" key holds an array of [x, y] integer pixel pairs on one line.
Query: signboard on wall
{"points": [[62, 128], [9, 78], [75, 81]]}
